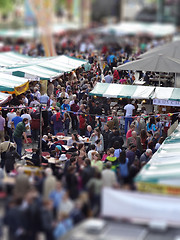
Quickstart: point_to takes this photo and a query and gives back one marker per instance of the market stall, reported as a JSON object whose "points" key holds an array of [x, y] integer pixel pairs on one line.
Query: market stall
{"points": [[113, 90], [162, 173]]}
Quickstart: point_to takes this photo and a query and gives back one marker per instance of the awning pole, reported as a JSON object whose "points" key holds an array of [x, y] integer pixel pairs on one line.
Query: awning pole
{"points": [[40, 137]]}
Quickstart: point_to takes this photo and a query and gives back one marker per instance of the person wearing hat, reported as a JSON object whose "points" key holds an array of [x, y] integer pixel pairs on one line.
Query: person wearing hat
{"points": [[58, 150]]}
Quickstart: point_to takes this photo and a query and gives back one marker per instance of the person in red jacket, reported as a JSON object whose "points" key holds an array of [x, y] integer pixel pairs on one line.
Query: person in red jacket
{"points": [[116, 75], [82, 124], [74, 109]]}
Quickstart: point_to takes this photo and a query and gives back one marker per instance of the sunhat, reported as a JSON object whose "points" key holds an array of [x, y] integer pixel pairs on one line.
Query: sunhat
{"points": [[63, 157]]}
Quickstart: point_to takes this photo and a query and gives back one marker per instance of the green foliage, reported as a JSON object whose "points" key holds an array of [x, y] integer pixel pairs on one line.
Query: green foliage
{"points": [[60, 3], [6, 5]]}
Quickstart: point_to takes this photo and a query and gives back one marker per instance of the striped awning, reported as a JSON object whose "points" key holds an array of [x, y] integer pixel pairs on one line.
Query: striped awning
{"points": [[163, 170], [4, 96], [34, 72], [112, 90], [38, 68], [9, 82]]}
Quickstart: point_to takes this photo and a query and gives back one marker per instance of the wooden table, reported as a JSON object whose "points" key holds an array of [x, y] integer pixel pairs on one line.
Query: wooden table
{"points": [[66, 138], [84, 140], [63, 138], [56, 161]]}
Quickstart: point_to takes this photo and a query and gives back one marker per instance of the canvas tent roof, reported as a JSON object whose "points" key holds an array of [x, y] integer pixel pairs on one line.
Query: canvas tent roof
{"points": [[155, 63], [164, 166], [38, 68], [14, 59], [122, 91], [3, 96], [62, 63], [9, 82], [113, 90], [134, 28], [171, 49], [33, 72]]}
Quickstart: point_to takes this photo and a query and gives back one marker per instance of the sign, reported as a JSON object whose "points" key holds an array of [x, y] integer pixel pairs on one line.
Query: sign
{"points": [[29, 15], [164, 102]]}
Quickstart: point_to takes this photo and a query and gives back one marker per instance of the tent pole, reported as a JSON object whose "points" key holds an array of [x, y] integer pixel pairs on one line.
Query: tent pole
{"points": [[40, 138]]}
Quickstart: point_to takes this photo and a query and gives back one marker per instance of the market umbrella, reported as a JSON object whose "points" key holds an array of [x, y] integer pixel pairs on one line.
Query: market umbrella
{"points": [[155, 63], [171, 49]]}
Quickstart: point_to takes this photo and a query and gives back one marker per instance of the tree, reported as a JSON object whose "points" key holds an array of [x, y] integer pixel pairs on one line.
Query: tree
{"points": [[6, 6]]}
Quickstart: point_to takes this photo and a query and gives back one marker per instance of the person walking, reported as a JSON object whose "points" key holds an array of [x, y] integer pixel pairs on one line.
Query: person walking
{"points": [[2, 125], [4, 148], [20, 132], [128, 116]]}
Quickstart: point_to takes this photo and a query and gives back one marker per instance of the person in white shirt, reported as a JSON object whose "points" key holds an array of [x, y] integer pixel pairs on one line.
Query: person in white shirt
{"points": [[93, 150], [37, 93], [24, 100], [72, 101], [28, 116], [9, 118], [63, 93], [128, 115]]}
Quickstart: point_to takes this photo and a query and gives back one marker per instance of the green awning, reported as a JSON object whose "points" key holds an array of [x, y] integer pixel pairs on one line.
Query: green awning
{"points": [[38, 68], [99, 89], [175, 94], [164, 167], [34, 72], [113, 90], [14, 58], [9, 82], [62, 63]]}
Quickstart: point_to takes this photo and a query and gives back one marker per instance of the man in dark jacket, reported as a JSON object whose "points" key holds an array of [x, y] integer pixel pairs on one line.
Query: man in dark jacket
{"points": [[106, 133], [87, 173], [116, 137]]}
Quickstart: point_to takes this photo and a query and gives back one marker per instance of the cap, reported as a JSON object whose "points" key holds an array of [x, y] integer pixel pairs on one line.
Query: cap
{"points": [[58, 147]]}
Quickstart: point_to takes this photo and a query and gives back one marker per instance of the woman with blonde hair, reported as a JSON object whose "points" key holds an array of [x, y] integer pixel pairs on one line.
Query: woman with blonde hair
{"points": [[96, 162], [97, 135]]}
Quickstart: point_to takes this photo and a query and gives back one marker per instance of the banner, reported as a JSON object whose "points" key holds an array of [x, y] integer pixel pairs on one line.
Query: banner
{"points": [[163, 102], [145, 208], [29, 17], [22, 88]]}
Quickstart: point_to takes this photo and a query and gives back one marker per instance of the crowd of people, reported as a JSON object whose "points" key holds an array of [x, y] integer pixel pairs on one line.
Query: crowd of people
{"points": [[62, 195]]}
